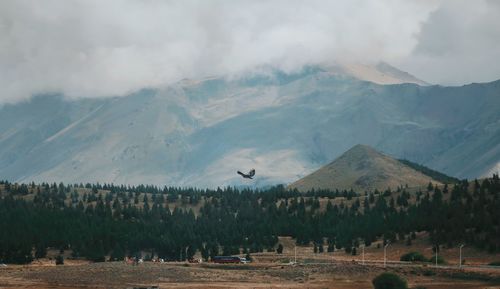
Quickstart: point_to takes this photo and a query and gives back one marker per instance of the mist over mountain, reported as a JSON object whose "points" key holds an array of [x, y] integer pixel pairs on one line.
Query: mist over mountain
{"points": [[285, 125]]}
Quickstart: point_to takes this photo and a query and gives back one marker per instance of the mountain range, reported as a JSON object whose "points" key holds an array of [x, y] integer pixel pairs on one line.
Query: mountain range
{"points": [[285, 125]]}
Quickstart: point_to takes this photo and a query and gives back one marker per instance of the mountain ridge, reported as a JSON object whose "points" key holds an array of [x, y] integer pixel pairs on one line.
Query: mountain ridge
{"points": [[284, 126], [362, 168]]}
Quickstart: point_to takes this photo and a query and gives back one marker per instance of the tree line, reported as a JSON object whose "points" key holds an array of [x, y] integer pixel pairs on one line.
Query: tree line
{"points": [[106, 221]]}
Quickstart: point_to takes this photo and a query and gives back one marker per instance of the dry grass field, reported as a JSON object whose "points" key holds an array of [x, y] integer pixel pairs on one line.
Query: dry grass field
{"points": [[269, 270], [338, 274]]}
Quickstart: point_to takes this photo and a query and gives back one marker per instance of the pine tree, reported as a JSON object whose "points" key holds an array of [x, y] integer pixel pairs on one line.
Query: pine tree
{"points": [[118, 254], [279, 250], [408, 241], [40, 251], [97, 253]]}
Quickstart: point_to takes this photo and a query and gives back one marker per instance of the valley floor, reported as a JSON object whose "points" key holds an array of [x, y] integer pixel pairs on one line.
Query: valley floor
{"points": [[269, 270], [332, 274]]}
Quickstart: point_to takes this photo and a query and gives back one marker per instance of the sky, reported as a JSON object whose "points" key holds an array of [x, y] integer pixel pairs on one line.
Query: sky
{"points": [[95, 48]]}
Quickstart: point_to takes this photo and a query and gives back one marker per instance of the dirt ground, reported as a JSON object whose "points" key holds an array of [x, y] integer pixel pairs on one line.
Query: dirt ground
{"points": [[339, 274], [269, 270], [471, 255]]}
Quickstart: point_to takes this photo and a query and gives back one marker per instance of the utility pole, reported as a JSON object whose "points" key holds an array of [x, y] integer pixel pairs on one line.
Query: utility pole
{"points": [[385, 252], [295, 262], [437, 248], [460, 264], [363, 250]]}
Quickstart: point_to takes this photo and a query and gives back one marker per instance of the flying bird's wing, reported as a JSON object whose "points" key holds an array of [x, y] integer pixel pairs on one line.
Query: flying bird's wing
{"points": [[247, 176]]}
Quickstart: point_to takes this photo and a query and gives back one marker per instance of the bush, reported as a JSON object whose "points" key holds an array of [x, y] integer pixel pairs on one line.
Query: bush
{"points": [[413, 257], [428, 273], [389, 281], [440, 260], [279, 250], [59, 260]]}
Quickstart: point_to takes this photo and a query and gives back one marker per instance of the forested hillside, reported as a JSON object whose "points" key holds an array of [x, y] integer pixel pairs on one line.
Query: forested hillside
{"points": [[443, 178], [94, 221]]}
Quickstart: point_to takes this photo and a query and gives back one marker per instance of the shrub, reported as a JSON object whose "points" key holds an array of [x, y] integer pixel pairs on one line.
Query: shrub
{"points": [[59, 260], [389, 281], [440, 260], [280, 249], [413, 257], [428, 273], [462, 275]]}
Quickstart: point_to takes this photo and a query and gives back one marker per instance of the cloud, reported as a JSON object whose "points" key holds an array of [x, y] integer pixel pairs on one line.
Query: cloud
{"points": [[458, 43], [93, 48]]}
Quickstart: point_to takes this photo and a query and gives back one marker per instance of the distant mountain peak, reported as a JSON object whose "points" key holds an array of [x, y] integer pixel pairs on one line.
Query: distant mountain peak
{"points": [[362, 148], [380, 73], [362, 168]]}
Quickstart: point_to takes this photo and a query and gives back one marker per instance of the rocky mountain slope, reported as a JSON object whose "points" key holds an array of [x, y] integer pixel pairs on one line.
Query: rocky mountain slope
{"points": [[285, 125]]}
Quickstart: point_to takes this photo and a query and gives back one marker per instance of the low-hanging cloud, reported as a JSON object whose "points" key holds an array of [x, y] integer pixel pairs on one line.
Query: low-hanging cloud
{"points": [[459, 43], [93, 48]]}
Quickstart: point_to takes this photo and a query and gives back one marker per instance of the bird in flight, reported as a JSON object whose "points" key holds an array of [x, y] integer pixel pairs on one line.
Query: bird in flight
{"points": [[250, 174]]}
